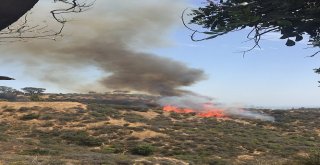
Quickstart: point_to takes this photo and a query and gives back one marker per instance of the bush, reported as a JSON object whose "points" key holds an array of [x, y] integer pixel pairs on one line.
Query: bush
{"points": [[217, 162], [39, 152], [24, 109], [80, 138], [134, 118], [35, 98], [312, 159], [114, 148], [30, 116], [143, 149]]}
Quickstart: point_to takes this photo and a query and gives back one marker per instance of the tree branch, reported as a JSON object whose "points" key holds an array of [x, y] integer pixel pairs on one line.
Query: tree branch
{"points": [[24, 31]]}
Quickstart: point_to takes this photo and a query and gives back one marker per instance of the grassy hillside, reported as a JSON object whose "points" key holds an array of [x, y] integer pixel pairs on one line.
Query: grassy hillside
{"points": [[131, 129]]}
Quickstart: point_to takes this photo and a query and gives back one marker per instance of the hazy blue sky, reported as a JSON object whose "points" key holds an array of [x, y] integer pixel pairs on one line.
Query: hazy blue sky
{"points": [[275, 76]]}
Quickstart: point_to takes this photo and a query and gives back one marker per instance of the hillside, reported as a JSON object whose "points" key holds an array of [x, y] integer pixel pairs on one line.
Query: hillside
{"points": [[132, 129]]}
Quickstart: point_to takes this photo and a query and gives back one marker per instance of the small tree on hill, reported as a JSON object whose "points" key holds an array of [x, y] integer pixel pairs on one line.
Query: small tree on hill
{"points": [[34, 92], [8, 93]]}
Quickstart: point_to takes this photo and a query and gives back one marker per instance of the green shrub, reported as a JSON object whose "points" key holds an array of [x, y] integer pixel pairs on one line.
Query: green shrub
{"points": [[114, 148], [80, 138], [35, 98], [134, 118], [23, 109], [38, 151], [217, 162], [312, 159], [46, 117], [143, 149], [30, 116]]}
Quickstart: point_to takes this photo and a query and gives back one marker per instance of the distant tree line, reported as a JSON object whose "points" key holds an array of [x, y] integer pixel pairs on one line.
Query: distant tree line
{"points": [[10, 94]]}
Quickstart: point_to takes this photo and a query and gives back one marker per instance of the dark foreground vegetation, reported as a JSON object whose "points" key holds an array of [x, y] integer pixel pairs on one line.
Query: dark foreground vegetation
{"points": [[132, 129]]}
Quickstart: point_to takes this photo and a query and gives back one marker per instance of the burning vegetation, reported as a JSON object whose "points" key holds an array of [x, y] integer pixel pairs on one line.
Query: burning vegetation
{"points": [[218, 113], [206, 107]]}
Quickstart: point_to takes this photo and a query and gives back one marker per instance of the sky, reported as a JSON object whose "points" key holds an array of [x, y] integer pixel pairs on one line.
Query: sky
{"points": [[273, 76]]}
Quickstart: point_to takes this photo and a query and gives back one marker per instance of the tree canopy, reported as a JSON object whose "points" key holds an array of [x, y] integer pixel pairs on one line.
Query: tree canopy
{"points": [[294, 19], [33, 90], [8, 93]]}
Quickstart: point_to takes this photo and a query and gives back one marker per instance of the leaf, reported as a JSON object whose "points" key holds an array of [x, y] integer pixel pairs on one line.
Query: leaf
{"points": [[284, 23], [284, 36], [290, 42], [299, 38]]}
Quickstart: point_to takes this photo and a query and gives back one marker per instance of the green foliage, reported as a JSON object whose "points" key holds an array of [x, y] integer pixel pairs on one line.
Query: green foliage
{"points": [[313, 158], [80, 138], [30, 116], [35, 97], [8, 93], [39, 151], [292, 19], [33, 90], [102, 111], [133, 118], [143, 149], [114, 148]]}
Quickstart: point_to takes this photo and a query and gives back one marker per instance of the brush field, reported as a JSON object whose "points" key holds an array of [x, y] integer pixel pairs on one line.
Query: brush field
{"points": [[94, 129]]}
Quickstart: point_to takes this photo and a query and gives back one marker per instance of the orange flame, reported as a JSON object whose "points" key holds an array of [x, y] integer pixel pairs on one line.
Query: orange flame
{"points": [[212, 113], [208, 112], [170, 108]]}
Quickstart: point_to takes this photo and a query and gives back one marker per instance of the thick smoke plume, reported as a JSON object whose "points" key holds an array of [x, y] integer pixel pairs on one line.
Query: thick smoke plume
{"points": [[202, 104], [110, 37]]}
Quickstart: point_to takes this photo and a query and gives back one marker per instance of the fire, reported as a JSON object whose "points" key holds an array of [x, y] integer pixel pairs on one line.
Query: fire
{"points": [[212, 113], [170, 108], [208, 111]]}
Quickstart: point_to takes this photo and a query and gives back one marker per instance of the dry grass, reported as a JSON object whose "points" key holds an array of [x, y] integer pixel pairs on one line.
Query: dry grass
{"points": [[160, 159], [318, 132], [122, 122], [147, 134], [54, 105], [149, 115], [245, 157]]}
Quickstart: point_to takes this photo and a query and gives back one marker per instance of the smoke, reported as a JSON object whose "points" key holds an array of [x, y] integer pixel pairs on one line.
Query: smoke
{"points": [[112, 38], [201, 104]]}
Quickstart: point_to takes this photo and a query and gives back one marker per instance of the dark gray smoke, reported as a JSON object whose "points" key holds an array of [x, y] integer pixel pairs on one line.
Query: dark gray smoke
{"points": [[111, 37]]}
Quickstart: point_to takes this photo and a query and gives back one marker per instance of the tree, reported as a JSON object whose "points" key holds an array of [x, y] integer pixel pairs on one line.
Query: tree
{"points": [[8, 93], [12, 10], [33, 90], [317, 71], [34, 93], [293, 19]]}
